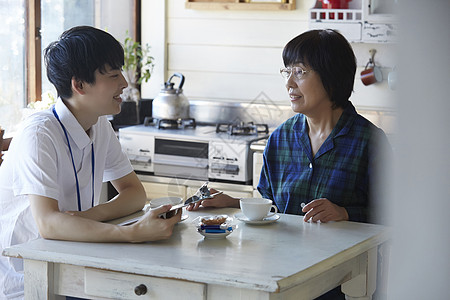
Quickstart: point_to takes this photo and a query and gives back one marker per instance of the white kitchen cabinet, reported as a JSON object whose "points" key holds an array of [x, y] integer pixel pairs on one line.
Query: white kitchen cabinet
{"points": [[158, 186], [104, 193], [232, 193], [256, 194], [367, 21], [257, 167], [155, 190]]}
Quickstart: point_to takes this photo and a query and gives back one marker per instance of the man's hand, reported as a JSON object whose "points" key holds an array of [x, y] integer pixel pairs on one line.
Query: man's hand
{"points": [[151, 227], [324, 210], [53, 224], [222, 200]]}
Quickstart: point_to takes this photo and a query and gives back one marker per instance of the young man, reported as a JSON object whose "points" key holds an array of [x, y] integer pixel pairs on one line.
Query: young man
{"points": [[51, 179]]}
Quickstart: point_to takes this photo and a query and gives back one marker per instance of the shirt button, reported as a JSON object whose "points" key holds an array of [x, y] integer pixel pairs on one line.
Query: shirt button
{"points": [[310, 165]]}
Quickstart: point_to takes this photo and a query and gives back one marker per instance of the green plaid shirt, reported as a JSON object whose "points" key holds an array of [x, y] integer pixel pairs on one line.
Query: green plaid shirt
{"points": [[342, 170]]}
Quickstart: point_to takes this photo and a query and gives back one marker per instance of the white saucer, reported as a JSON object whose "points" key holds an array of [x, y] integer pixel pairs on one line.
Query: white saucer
{"points": [[214, 235], [267, 220]]}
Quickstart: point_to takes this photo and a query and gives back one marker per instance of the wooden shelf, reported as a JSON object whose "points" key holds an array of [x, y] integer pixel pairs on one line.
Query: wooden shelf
{"points": [[214, 5]]}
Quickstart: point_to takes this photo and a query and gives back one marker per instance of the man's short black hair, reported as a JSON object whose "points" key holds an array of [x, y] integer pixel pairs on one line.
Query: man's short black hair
{"points": [[78, 53], [329, 54]]}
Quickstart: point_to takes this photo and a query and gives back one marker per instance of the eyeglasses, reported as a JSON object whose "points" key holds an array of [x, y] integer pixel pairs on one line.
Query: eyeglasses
{"points": [[298, 72]]}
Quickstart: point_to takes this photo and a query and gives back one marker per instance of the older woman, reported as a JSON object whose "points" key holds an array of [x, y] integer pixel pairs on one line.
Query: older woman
{"points": [[326, 155], [322, 161]]}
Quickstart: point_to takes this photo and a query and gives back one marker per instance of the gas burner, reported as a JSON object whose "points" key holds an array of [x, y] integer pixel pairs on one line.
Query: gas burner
{"points": [[170, 123], [242, 128]]}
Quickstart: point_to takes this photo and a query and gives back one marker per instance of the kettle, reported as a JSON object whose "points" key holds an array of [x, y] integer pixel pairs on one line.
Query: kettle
{"points": [[170, 102]]}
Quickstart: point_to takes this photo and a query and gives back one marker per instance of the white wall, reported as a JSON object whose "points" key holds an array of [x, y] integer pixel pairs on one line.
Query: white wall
{"points": [[236, 55], [106, 17], [420, 203]]}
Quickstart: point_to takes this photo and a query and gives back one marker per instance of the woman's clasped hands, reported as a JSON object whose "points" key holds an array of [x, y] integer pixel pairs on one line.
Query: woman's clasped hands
{"points": [[324, 210]]}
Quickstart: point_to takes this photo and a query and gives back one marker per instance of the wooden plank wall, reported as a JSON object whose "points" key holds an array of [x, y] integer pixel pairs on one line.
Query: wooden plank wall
{"points": [[236, 55]]}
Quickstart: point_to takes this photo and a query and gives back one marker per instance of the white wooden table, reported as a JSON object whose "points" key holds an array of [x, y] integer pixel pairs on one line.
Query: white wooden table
{"points": [[289, 259]]}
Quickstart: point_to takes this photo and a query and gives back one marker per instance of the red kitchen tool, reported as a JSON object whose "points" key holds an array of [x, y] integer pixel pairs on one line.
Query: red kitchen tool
{"points": [[335, 4]]}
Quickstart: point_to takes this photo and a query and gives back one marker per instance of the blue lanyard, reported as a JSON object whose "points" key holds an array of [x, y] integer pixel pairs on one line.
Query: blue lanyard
{"points": [[73, 163]]}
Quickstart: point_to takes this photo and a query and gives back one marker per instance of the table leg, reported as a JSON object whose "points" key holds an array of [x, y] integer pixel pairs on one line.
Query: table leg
{"points": [[39, 280], [362, 286]]}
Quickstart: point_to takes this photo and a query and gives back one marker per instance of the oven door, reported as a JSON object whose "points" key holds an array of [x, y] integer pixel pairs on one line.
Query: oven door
{"points": [[230, 162], [181, 159], [139, 149]]}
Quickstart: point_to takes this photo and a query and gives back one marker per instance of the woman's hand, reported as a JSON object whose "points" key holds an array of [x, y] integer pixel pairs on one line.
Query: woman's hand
{"points": [[324, 210], [222, 200]]}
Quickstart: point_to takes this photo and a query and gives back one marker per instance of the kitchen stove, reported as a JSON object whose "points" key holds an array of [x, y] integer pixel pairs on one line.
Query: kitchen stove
{"points": [[214, 153], [170, 123], [242, 128]]}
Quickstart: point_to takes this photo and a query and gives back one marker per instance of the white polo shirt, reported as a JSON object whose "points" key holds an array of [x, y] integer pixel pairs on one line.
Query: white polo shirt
{"points": [[39, 162]]}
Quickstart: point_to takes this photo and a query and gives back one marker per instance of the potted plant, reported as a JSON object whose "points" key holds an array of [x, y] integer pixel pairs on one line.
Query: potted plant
{"points": [[138, 67]]}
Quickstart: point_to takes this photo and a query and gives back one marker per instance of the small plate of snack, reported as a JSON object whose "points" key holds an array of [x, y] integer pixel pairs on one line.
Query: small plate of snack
{"points": [[214, 227]]}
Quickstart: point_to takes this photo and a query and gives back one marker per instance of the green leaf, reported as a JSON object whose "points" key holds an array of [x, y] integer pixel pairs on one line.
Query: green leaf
{"points": [[137, 57]]}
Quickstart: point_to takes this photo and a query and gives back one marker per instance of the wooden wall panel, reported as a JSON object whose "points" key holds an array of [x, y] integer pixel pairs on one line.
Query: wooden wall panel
{"points": [[236, 55], [230, 55], [246, 32], [229, 86], [241, 49], [253, 61]]}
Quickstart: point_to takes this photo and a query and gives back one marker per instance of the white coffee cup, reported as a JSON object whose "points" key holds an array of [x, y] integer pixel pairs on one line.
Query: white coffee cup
{"points": [[257, 209]]}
